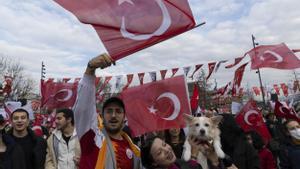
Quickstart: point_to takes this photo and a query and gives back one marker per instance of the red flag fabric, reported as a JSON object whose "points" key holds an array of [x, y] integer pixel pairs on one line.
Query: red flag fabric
{"points": [[65, 80], [276, 88], [221, 91], [238, 75], [285, 89], [211, 67], [195, 98], [197, 67], [241, 91], [129, 80], [163, 74], [174, 71], [106, 81], [97, 81], [273, 56], [256, 90], [7, 89], [58, 94], [156, 106], [236, 61], [127, 26], [250, 118], [285, 112], [141, 78]]}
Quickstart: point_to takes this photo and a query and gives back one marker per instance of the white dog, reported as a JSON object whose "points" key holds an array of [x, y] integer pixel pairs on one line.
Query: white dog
{"points": [[206, 130]]}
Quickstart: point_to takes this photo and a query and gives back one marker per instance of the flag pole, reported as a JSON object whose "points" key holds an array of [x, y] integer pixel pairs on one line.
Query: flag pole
{"points": [[196, 26], [258, 72]]}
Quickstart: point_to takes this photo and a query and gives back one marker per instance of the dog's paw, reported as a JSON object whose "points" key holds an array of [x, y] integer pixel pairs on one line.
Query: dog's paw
{"points": [[220, 153], [186, 154]]}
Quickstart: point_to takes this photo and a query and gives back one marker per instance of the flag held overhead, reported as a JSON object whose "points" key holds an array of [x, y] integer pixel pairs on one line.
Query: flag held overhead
{"points": [[128, 26], [157, 105]]}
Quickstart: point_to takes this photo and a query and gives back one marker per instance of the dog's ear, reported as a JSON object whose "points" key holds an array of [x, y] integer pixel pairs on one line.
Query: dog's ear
{"points": [[216, 119], [188, 118]]}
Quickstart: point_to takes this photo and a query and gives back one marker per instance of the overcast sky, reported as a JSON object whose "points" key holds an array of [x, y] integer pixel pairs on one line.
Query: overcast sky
{"points": [[33, 31]]}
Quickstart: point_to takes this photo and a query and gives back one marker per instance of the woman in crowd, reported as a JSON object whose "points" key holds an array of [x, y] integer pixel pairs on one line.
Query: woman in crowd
{"points": [[11, 154], [289, 156], [175, 138], [266, 158], [155, 153]]}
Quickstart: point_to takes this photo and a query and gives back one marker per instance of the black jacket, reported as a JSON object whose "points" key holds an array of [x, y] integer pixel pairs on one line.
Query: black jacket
{"points": [[234, 144], [39, 150], [289, 156], [13, 157]]}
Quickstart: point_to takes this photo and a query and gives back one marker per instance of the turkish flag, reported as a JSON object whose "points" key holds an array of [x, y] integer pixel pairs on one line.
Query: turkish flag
{"points": [[211, 67], [141, 78], [273, 56], [157, 105], [256, 90], [250, 118], [236, 62], [127, 26], [197, 67], [238, 75], [276, 88], [285, 112], [58, 94], [195, 97]]}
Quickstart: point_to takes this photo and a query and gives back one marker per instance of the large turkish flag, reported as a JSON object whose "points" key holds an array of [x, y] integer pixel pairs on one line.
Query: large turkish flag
{"points": [[58, 94], [250, 118], [156, 106], [273, 56], [127, 26]]}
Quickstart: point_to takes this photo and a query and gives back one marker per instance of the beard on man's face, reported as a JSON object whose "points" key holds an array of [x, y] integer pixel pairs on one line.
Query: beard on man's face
{"points": [[113, 126]]}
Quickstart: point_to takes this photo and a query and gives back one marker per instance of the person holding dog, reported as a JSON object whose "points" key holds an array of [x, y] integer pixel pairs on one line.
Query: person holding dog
{"points": [[155, 153]]}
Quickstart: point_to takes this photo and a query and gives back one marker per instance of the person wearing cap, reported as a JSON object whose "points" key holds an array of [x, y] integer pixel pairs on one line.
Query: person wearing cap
{"points": [[33, 147], [106, 147]]}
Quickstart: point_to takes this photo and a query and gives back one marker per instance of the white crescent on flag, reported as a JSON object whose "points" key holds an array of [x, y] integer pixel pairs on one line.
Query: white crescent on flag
{"points": [[276, 55], [247, 114], [166, 23], [67, 97], [176, 104]]}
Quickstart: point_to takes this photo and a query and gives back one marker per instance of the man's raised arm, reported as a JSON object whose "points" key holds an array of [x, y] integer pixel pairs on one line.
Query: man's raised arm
{"points": [[85, 106]]}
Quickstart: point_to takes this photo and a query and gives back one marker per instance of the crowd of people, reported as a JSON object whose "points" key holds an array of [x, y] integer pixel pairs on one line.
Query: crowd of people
{"points": [[86, 140]]}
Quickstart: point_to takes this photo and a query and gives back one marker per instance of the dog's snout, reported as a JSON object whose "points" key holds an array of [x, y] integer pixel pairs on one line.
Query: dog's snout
{"points": [[202, 131]]}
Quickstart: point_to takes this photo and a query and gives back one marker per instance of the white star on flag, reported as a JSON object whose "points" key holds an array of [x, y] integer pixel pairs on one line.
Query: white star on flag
{"points": [[122, 1], [152, 109]]}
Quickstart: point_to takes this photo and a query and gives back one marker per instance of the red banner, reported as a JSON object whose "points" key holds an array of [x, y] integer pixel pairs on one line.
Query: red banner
{"points": [[156, 106], [58, 94], [126, 27], [250, 118]]}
